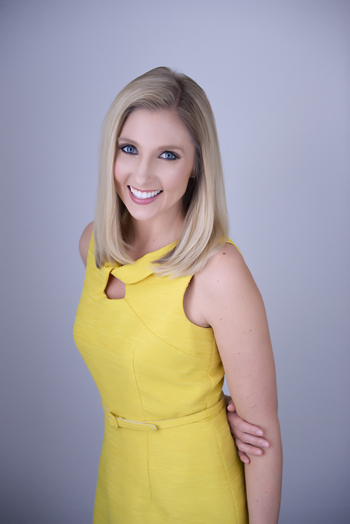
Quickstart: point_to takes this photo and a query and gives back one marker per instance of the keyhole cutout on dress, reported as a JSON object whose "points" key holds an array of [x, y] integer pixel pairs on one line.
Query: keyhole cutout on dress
{"points": [[115, 288]]}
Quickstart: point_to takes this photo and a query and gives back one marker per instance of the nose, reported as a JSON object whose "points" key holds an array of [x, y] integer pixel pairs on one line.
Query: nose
{"points": [[143, 172]]}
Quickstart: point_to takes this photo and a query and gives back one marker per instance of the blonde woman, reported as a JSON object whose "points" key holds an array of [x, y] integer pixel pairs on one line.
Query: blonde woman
{"points": [[169, 306]]}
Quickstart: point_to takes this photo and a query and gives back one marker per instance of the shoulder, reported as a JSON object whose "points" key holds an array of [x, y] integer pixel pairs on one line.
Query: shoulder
{"points": [[226, 284], [84, 242], [226, 265]]}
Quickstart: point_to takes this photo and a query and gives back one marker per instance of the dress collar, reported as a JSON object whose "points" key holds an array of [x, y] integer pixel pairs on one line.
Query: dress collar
{"points": [[140, 269]]}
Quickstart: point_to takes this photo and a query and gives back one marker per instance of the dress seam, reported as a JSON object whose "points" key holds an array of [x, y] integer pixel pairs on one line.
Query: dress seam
{"points": [[138, 389], [148, 473], [143, 411], [164, 341], [208, 372], [227, 476]]}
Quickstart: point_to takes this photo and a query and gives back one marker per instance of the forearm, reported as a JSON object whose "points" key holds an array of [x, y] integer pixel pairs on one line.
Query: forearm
{"points": [[263, 481]]}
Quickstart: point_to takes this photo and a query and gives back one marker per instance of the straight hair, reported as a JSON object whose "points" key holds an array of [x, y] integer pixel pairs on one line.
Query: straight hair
{"points": [[205, 227]]}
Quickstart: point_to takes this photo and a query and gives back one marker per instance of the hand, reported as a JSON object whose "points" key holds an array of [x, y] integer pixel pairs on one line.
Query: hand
{"points": [[248, 438]]}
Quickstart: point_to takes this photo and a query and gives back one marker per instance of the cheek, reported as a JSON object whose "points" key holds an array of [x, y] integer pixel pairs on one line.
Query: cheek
{"points": [[179, 180], [118, 173], [118, 187]]}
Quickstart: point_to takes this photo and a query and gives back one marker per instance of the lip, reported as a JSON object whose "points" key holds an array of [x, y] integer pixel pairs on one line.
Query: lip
{"points": [[143, 201]]}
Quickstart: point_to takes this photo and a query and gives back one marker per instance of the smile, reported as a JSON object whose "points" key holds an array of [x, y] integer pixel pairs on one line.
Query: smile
{"points": [[144, 195]]}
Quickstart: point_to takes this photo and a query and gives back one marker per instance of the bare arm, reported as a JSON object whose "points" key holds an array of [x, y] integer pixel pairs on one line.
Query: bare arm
{"points": [[249, 439], [233, 306], [85, 241]]}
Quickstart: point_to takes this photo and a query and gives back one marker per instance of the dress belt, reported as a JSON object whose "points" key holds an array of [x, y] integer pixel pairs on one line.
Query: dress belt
{"points": [[153, 425]]}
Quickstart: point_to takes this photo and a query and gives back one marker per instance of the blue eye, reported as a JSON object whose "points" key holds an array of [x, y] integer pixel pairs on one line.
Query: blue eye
{"points": [[128, 149], [169, 155]]}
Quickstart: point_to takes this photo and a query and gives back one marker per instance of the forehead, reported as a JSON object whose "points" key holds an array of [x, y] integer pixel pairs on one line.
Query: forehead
{"points": [[151, 125]]}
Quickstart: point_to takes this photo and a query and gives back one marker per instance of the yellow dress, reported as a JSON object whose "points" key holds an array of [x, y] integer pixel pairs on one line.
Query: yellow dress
{"points": [[168, 455]]}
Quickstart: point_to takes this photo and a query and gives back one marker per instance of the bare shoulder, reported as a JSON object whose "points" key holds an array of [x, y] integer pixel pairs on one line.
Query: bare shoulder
{"points": [[226, 283], [225, 266], [85, 241]]}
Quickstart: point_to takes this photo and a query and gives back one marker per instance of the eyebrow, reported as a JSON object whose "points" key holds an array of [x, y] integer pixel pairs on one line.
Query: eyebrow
{"points": [[163, 148]]}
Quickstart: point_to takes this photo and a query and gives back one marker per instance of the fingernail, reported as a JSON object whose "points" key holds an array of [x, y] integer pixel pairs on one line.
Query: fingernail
{"points": [[258, 452], [260, 433], [265, 444]]}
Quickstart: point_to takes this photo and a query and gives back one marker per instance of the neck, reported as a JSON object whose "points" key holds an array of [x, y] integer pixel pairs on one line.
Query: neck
{"points": [[146, 236]]}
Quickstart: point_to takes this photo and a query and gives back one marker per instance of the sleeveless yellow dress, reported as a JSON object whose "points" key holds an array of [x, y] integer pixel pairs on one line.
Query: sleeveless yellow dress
{"points": [[168, 455]]}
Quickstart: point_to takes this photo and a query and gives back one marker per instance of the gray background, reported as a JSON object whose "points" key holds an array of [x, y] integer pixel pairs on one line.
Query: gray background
{"points": [[277, 75]]}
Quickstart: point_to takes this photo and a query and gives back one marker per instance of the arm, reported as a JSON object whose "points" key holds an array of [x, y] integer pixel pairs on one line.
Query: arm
{"points": [[248, 438], [85, 241], [233, 306]]}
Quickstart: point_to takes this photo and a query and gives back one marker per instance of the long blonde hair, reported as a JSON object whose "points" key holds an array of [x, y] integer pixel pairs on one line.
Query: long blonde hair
{"points": [[206, 223]]}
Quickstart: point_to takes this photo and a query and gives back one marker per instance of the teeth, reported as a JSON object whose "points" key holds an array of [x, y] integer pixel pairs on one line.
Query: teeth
{"points": [[143, 194]]}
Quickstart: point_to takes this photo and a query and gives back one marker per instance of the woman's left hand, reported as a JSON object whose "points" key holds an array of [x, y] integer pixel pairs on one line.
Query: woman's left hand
{"points": [[249, 439]]}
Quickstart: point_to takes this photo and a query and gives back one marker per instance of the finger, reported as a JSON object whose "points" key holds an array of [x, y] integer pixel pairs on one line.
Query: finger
{"points": [[231, 407], [236, 421], [247, 448], [229, 403], [257, 442], [244, 458]]}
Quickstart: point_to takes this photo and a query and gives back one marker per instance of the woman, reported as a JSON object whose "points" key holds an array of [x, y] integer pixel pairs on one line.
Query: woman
{"points": [[168, 304]]}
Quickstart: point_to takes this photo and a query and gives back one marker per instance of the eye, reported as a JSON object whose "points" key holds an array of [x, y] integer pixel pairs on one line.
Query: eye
{"points": [[128, 149], [169, 155]]}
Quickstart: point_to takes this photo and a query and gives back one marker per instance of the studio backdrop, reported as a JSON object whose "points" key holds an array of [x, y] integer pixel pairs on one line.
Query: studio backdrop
{"points": [[277, 76]]}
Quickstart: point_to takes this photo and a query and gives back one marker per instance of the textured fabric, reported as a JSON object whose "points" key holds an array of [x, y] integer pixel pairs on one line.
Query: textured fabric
{"points": [[151, 363]]}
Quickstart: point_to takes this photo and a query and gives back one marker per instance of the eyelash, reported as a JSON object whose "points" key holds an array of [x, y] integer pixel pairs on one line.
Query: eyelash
{"points": [[122, 148]]}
